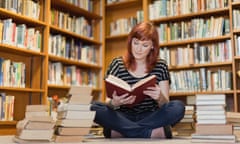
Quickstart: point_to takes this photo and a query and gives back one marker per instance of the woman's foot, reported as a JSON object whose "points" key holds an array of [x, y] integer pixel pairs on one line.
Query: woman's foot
{"points": [[158, 133], [162, 132], [115, 134]]}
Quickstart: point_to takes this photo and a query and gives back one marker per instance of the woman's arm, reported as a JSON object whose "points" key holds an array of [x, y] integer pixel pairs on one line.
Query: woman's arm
{"points": [[160, 92], [164, 92]]}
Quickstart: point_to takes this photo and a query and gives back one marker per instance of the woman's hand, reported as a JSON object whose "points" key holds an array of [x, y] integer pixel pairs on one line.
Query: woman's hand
{"points": [[153, 92], [122, 100], [156, 94]]}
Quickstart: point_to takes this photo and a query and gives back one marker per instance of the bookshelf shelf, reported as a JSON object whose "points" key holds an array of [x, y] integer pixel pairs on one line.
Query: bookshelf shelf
{"points": [[55, 29], [180, 94], [215, 64], [195, 40], [71, 8], [121, 4], [73, 62], [22, 89], [116, 37], [17, 50], [207, 13], [21, 18]]}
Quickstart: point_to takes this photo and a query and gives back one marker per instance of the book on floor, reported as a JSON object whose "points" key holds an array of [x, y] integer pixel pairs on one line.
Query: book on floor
{"points": [[214, 129], [80, 95], [27, 134], [68, 139], [76, 115], [114, 83], [74, 122], [72, 130]]}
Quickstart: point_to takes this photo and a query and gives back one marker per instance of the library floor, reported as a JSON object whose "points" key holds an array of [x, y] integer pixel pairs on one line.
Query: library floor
{"points": [[175, 140]]}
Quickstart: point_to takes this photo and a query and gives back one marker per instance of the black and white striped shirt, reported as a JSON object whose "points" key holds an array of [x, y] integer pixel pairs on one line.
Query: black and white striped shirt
{"points": [[117, 68]]}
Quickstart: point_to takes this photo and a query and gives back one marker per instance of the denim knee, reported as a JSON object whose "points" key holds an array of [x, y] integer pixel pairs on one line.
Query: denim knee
{"points": [[179, 107]]}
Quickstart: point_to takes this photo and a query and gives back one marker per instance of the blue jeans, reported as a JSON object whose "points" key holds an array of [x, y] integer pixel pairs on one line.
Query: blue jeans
{"points": [[138, 125]]}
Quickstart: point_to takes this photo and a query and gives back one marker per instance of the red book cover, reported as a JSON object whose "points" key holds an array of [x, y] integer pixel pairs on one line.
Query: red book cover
{"points": [[113, 83]]}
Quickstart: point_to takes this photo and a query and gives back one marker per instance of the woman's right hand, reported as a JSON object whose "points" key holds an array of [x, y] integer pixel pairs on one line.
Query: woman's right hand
{"points": [[122, 99]]}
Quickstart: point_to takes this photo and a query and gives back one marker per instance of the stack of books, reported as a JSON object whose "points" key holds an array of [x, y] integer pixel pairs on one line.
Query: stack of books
{"points": [[211, 120], [74, 118], [36, 127], [186, 126], [234, 119]]}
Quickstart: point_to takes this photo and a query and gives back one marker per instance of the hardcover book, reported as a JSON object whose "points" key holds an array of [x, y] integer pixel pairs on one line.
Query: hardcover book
{"points": [[121, 87]]}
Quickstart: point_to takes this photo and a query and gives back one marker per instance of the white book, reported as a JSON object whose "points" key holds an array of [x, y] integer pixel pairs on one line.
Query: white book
{"points": [[211, 102], [210, 107], [212, 136], [210, 112], [74, 122], [209, 97], [76, 115], [212, 121], [74, 107], [211, 117]]}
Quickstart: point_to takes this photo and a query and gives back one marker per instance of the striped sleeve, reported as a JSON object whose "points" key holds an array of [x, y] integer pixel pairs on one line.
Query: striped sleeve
{"points": [[162, 72], [113, 68]]}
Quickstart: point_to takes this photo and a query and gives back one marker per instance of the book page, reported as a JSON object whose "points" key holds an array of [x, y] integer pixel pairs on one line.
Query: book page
{"points": [[118, 82], [139, 83]]}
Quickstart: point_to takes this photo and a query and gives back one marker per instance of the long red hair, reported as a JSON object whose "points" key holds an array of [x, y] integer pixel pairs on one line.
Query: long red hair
{"points": [[143, 31]]}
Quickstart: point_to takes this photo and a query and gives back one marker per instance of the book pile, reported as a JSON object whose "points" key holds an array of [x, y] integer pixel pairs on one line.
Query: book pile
{"points": [[186, 126], [36, 127], [234, 119], [211, 120], [74, 118]]}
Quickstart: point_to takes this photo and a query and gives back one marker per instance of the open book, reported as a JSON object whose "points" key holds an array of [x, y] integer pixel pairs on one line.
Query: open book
{"points": [[121, 87]]}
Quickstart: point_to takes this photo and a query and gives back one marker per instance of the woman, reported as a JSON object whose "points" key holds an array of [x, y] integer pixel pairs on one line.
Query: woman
{"points": [[153, 117]]}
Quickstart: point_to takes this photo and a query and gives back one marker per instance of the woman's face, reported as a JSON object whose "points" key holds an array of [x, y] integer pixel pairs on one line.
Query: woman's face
{"points": [[140, 49]]}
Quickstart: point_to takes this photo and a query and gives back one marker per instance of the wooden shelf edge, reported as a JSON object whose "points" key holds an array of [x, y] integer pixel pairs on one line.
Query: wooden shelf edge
{"points": [[173, 94], [21, 89]]}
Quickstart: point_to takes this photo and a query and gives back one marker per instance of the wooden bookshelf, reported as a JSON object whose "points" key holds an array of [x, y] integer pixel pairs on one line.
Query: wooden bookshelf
{"points": [[116, 44], [37, 89]]}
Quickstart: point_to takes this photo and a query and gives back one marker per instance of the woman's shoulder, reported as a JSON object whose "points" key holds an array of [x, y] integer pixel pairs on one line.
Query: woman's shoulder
{"points": [[118, 60], [161, 61]]}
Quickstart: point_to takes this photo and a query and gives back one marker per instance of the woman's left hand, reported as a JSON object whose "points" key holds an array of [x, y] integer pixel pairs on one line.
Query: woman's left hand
{"points": [[153, 92]]}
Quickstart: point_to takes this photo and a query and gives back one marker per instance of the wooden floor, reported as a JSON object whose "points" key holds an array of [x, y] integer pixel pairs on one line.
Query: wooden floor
{"points": [[175, 140]]}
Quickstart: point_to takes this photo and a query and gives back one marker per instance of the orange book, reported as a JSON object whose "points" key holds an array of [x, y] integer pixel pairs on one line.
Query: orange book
{"points": [[121, 87]]}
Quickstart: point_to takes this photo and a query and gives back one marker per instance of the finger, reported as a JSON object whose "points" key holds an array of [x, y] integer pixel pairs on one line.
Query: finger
{"points": [[124, 96]]}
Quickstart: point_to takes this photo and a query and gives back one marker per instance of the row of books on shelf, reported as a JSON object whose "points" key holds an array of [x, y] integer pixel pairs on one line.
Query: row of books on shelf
{"points": [[164, 8], [197, 54], [194, 28], [201, 80], [59, 74], [6, 107], [12, 74], [122, 25], [20, 35], [70, 48], [72, 123], [79, 25], [114, 1], [84, 4], [30, 8], [236, 20], [237, 44]]}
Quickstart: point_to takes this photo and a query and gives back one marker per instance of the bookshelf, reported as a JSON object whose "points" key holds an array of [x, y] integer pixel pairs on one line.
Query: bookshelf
{"points": [[177, 42], [37, 58]]}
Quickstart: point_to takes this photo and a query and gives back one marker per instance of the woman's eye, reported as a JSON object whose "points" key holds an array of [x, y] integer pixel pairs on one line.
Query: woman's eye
{"points": [[136, 43]]}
